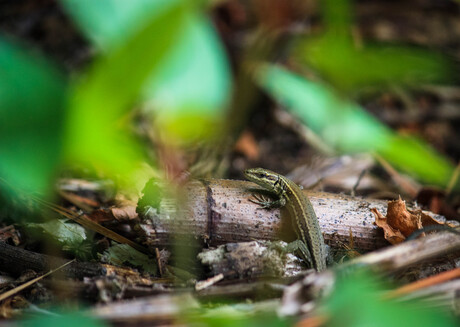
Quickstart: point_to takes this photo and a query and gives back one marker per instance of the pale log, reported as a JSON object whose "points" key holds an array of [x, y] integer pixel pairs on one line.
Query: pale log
{"points": [[219, 211]]}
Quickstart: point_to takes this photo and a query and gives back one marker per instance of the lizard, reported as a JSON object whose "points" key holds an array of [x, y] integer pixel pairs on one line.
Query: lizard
{"points": [[303, 216]]}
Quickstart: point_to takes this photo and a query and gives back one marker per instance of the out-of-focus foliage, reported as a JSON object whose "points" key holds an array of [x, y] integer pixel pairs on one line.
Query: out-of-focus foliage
{"points": [[238, 315], [358, 301], [121, 254], [167, 54], [348, 128], [161, 50], [127, 18], [191, 86], [343, 124], [32, 99], [69, 320], [96, 133], [348, 66]]}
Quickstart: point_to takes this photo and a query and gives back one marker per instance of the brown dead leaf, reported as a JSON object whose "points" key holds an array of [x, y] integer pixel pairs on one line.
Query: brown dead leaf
{"points": [[124, 213], [391, 235], [401, 222], [124, 210], [401, 219]]}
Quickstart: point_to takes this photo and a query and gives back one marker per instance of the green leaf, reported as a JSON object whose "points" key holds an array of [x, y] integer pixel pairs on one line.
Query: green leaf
{"points": [[191, 91], [69, 320], [191, 88], [346, 67], [347, 127], [32, 98], [357, 301], [120, 254], [96, 132], [338, 59], [65, 232], [127, 18]]}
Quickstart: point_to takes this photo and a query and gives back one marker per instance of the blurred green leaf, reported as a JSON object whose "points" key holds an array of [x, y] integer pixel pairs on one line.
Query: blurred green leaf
{"points": [[241, 315], [347, 67], [127, 18], [348, 128], [358, 301], [69, 320], [191, 88], [337, 16], [120, 254], [340, 61], [96, 131], [32, 99]]}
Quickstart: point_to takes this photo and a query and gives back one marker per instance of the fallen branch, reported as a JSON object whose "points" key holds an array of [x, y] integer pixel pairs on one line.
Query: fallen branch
{"points": [[218, 211]]}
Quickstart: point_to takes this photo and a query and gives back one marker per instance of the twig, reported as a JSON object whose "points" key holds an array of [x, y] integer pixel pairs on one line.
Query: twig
{"points": [[423, 283], [18, 289]]}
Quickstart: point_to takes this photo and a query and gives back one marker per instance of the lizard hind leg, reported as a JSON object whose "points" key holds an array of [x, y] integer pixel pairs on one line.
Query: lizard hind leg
{"points": [[301, 248]]}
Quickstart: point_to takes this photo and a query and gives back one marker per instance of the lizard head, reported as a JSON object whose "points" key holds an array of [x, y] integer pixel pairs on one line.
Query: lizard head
{"points": [[265, 178]]}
